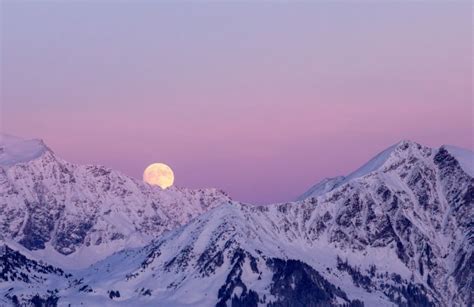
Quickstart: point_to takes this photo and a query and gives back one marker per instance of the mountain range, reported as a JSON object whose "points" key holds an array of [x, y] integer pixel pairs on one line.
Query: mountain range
{"points": [[399, 231]]}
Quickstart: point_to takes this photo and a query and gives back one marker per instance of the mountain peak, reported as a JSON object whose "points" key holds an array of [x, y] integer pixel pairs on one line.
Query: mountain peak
{"points": [[14, 150], [405, 143], [405, 149]]}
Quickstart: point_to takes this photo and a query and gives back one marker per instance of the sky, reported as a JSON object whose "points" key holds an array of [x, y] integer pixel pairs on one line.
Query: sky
{"points": [[260, 99]]}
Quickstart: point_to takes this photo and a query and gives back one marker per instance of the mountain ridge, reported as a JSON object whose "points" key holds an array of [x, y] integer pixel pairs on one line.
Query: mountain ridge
{"points": [[464, 156], [377, 239], [48, 202], [401, 234]]}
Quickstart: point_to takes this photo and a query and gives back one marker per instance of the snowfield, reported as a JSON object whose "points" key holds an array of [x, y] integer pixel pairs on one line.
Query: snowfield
{"points": [[397, 231]]}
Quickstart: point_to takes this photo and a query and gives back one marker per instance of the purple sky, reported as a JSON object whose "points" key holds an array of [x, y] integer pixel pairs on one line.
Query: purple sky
{"points": [[259, 99]]}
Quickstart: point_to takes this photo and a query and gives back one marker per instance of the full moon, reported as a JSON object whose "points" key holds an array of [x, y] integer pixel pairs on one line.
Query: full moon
{"points": [[159, 174]]}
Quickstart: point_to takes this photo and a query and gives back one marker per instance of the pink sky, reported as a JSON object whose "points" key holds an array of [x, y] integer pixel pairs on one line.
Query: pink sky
{"points": [[261, 100]]}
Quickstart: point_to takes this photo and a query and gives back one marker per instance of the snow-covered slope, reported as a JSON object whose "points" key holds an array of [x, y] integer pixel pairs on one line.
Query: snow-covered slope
{"points": [[24, 279], [401, 233], [328, 184], [322, 187], [464, 157], [74, 215], [16, 150]]}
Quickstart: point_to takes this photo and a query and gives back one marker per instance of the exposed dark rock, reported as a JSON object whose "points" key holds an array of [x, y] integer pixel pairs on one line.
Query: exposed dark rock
{"points": [[233, 280], [16, 267], [295, 283], [113, 294]]}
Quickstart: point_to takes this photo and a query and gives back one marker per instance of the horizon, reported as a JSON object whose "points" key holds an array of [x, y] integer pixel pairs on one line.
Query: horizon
{"points": [[262, 110], [297, 197]]}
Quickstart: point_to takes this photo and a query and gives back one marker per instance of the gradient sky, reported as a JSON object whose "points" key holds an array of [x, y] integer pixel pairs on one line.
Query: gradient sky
{"points": [[259, 99]]}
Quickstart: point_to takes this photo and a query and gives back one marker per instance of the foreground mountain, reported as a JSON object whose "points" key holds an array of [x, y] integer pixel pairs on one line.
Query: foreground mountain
{"points": [[86, 213], [24, 280], [400, 232]]}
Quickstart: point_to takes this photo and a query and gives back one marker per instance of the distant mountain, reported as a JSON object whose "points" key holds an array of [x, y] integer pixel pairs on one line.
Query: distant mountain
{"points": [[399, 232], [463, 156], [61, 209], [328, 184]]}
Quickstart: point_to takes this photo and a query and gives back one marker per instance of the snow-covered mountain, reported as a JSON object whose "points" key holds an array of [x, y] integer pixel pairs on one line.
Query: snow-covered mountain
{"points": [[25, 279], [398, 232], [463, 156], [328, 184], [86, 213]]}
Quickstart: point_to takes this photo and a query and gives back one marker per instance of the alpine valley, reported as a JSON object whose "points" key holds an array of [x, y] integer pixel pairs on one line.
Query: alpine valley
{"points": [[399, 231]]}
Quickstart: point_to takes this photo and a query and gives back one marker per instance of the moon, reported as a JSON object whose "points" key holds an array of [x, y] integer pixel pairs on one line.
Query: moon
{"points": [[159, 174]]}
